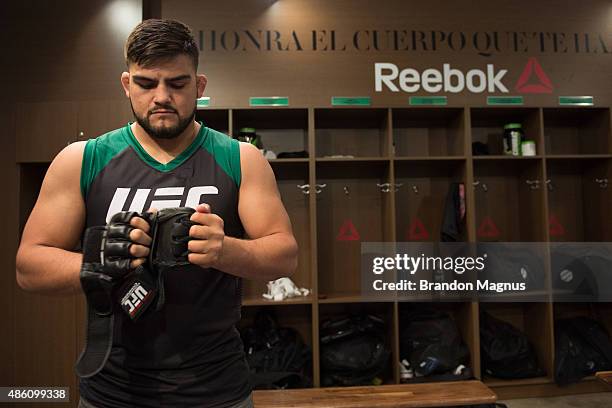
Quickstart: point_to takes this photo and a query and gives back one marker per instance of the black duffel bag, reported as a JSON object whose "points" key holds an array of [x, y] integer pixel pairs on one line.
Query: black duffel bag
{"points": [[505, 351], [432, 343], [353, 350], [582, 347], [277, 357]]}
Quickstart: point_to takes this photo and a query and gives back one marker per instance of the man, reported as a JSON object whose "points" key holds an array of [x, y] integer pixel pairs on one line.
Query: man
{"points": [[189, 353]]}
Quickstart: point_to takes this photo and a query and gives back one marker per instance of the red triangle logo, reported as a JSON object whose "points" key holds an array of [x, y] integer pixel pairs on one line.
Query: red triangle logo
{"points": [[417, 231], [487, 228], [555, 229], [544, 84], [348, 232]]}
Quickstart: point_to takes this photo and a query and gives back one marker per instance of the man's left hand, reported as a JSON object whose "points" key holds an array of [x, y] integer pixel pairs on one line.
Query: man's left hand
{"points": [[206, 244]]}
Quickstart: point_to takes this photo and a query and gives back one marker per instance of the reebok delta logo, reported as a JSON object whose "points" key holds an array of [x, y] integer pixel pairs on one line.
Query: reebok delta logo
{"points": [[164, 197], [388, 76], [524, 83]]}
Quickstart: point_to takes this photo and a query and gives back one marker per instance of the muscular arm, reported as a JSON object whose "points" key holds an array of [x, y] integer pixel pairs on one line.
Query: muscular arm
{"points": [[45, 258], [271, 251]]}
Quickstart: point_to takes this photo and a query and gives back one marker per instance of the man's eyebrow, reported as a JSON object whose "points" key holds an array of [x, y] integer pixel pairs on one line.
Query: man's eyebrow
{"points": [[179, 78], [142, 78], [174, 79]]}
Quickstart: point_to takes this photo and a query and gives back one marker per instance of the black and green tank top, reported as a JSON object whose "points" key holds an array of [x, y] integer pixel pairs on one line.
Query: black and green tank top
{"points": [[189, 354]]}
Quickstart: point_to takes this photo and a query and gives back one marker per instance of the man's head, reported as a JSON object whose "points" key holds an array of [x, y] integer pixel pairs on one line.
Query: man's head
{"points": [[161, 82]]}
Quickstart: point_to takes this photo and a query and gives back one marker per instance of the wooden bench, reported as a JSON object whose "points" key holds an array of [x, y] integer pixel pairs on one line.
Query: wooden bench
{"points": [[440, 394], [605, 377]]}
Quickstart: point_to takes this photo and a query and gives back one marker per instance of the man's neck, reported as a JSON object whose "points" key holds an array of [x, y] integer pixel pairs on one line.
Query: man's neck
{"points": [[165, 150]]}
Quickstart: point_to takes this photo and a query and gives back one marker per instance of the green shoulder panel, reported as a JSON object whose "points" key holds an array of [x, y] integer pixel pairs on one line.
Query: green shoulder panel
{"points": [[226, 152], [98, 153]]}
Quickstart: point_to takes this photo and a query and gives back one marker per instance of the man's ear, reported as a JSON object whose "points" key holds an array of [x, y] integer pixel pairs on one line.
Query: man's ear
{"points": [[125, 82], [201, 83]]}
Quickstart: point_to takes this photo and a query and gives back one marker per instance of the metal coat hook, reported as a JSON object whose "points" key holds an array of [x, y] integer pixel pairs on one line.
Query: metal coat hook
{"points": [[319, 188], [603, 183], [483, 185], [305, 188], [346, 190], [397, 186], [533, 184], [415, 189], [549, 184], [384, 187]]}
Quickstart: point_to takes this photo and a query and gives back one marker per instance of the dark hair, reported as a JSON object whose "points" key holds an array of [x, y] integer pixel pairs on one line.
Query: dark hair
{"points": [[157, 40]]}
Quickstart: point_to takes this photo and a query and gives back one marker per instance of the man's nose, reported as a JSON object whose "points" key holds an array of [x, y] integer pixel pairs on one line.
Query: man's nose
{"points": [[162, 94]]}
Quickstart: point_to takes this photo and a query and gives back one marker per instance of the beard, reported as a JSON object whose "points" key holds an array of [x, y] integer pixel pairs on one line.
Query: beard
{"points": [[164, 132]]}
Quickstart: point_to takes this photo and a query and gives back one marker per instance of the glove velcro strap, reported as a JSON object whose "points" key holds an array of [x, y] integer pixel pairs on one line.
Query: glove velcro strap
{"points": [[96, 284], [98, 342], [97, 287]]}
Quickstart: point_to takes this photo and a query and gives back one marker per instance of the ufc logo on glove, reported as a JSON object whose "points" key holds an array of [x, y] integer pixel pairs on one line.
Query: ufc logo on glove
{"points": [[134, 298]]}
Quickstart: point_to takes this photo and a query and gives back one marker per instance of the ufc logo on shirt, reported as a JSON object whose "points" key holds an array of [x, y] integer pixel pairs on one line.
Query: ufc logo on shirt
{"points": [[161, 198]]}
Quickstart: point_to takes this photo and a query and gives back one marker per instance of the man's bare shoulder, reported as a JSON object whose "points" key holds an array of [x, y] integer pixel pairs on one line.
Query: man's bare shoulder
{"points": [[65, 170], [71, 153]]}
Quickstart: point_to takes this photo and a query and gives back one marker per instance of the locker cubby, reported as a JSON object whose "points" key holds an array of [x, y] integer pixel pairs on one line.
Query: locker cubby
{"points": [[601, 312], [217, 119], [575, 131], [380, 310], [487, 126], [351, 132], [281, 130], [422, 188], [508, 196], [292, 180], [463, 313], [297, 317], [579, 199], [535, 321], [429, 132], [351, 209]]}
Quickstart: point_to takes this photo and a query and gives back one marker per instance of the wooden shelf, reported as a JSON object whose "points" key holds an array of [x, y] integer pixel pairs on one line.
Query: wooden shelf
{"points": [[502, 157], [577, 156], [298, 300], [429, 158], [496, 382], [351, 159], [293, 160]]}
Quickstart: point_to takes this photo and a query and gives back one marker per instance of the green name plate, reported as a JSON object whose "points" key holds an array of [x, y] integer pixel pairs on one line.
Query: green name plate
{"points": [[351, 101], [504, 100], [269, 101], [428, 100], [204, 102], [576, 100]]}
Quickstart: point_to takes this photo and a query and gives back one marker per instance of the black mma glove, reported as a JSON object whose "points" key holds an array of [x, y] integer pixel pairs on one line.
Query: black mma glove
{"points": [[107, 259], [170, 233]]}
